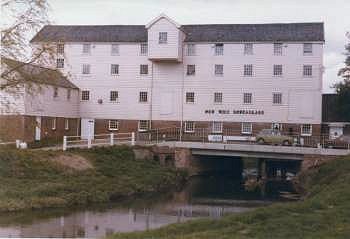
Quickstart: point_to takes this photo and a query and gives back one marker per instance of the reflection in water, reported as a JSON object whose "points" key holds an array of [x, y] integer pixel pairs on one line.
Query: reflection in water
{"points": [[207, 196]]}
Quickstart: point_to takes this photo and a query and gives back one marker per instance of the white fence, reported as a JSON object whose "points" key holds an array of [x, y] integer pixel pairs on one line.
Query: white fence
{"points": [[98, 140]]}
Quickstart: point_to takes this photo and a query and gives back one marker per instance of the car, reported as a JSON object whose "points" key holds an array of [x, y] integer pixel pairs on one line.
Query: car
{"points": [[342, 142], [274, 137]]}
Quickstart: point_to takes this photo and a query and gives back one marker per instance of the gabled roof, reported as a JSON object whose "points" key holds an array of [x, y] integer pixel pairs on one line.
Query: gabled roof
{"points": [[161, 16], [288, 32], [38, 74]]}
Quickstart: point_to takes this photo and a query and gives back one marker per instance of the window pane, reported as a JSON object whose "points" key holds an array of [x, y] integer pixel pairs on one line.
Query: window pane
{"points": [[191, 69], [86, 69], [277, 70], [307, 48], [277, 48], [113, 124], [307, 70], [85, 95], [113, 96], [189, 126], [246, 128], [248, 70], [189, 97], [219, 70], [217, 97], [144, 49], [247, 98], [60, 48], [277, 98], [60, 63], [191, 49], [115, 49], [143, 69], [143, 125], [86, 48], [163, 37], [219, 49], [217, 127], [248, 49], [143, 96]]}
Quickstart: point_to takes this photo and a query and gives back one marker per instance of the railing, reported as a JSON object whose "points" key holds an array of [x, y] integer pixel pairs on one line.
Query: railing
{"points": [[98, 140]]}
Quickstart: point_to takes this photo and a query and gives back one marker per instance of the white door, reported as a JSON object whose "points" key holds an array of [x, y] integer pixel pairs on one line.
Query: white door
{"points": [[37, 128], [87, 128]]}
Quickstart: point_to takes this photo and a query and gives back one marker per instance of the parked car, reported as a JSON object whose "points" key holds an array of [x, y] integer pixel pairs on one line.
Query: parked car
{"points": [[342, 142], [274, 137]]}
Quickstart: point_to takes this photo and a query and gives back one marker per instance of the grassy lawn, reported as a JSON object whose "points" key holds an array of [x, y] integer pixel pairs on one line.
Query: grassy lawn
{"points": [[38, 179], [324, 213]]}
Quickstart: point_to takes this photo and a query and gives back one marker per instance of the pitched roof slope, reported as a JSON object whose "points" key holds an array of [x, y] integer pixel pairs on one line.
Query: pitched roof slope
{"points": [[38, 74], [293, 32]]}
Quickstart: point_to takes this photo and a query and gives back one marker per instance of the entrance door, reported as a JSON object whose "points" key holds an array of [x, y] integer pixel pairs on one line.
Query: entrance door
{"points": [[38, 128], [87, 128]]}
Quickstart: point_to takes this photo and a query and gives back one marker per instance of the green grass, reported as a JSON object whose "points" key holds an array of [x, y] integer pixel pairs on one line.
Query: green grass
{"points": [[30, 181], [324, 213]]}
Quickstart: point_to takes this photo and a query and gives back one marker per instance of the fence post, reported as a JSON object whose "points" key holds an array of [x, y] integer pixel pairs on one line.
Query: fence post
{"points": [[133, 138], [18, 142], [64, 143], [112, 139], [89, 142]]}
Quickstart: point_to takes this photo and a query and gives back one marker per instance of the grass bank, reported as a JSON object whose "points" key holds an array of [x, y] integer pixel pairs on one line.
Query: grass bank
{"points": [[43, 179], [324, 213]]}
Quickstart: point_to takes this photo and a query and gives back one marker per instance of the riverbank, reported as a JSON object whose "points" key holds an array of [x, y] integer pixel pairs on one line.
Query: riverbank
{"points": [[324, 212], [49, 179]]}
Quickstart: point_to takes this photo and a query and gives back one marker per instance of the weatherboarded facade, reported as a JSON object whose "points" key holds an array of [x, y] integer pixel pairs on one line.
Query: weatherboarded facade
{"points": [[237, 77]]}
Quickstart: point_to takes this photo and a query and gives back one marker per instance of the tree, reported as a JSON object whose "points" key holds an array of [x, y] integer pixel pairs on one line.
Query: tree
{"points": [[20, 20], [343, 88]]}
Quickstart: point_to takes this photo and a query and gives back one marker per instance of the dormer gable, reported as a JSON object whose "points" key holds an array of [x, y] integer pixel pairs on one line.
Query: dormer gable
{"points": [[162, 16]]}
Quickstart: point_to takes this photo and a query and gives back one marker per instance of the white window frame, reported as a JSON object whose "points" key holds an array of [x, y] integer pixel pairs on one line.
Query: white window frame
{"points": [[60, 48], [114, 49], [248, 49], [60, 63], [245, 126], [85, 93], [143, 49], [247, 98], [219, 69], [113, 124], [190, 127], [143, 69], [278, 70], [307, 49], [217, 127], [115, 98], [163, 38], [66, 124], [278, 49], [306, 133], [277, 98], [140, 126], [307, 70], [191, 70], [191, 49], [218, 96], [114, 69], [53, 123], [219, 49], [190, 97], [248, 70], [86, 49], [143, 97], [86, 69]]}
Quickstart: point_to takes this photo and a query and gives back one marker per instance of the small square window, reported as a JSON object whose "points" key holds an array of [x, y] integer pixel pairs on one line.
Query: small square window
{"points": [[189, 126], [277, 98], [189, 97], [216, 127], [113, 96], [113, 124], [248, 70], [191, 49], [86, 48], [69, 94], [307, 70], [143, 97], [66, 124], [306, 130], [219, 70], [191, 70], [217, 98], [163, 37], [143, 125], [53, 124], [60, 63], [247, 128], [85, 95], [86, 69], [247, 98], [248, 49], [55, 92], [277, 70], [60, 48], [219, 49], [114, 49], [143, 69], [277, 49], [143, 49], [114, 69], [307, 48]]}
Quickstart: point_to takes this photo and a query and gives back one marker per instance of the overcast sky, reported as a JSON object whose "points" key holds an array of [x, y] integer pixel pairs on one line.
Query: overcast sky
{"points": [[334, 13]]}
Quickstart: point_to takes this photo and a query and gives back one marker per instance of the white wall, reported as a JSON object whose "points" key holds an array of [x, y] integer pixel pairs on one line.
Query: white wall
{"points": [[12, 101]]}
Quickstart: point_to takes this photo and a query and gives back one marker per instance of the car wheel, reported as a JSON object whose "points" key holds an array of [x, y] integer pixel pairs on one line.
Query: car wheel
{"points": [[286, 143], [261, 141]]}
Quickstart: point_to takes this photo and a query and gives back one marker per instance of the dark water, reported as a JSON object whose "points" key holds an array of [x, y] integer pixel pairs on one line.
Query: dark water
{"points": [[205, 196]]}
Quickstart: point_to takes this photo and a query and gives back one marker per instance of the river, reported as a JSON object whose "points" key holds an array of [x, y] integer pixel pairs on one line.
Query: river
{"points": [[203, 196]]}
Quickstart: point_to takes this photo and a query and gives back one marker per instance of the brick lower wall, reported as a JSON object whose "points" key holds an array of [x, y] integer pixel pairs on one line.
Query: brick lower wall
{"points": [[11, 127]]}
